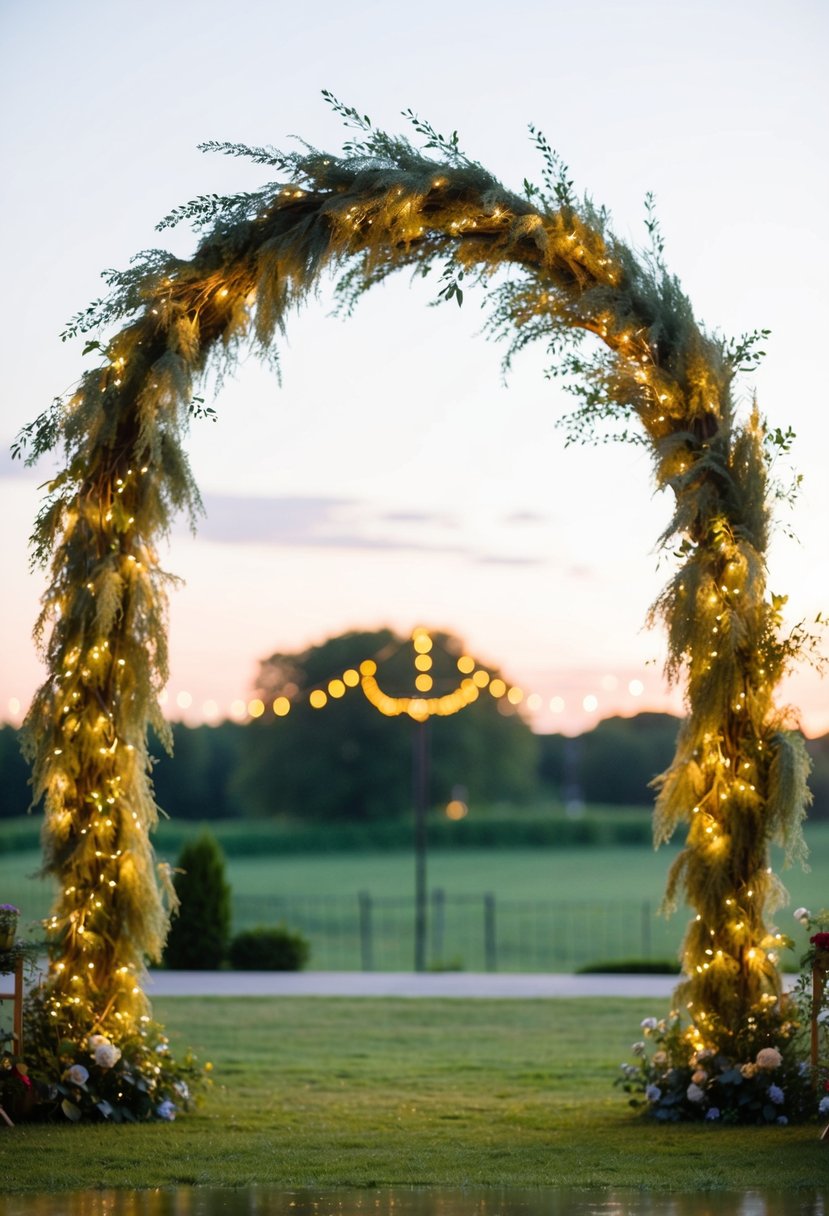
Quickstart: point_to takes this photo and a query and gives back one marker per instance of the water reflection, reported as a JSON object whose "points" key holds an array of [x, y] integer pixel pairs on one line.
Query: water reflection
{"points": [[412, 1201]]}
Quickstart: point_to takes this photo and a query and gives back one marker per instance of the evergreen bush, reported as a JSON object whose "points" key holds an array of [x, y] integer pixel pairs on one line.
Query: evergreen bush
{"points": [[199, 933], [273, 948]]}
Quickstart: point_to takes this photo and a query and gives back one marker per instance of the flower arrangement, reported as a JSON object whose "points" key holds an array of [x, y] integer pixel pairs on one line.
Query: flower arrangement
{"points": [[8, 925], [675, 1080], [768, 1077], [17, 1094], [134, 1080]]}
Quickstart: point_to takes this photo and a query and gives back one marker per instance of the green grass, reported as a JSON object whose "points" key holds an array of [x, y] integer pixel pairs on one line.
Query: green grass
{"points": [[328, 1092]]}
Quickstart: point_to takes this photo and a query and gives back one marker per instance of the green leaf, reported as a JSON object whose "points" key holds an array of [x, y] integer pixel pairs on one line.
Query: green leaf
{"points": [[71, 1111]]}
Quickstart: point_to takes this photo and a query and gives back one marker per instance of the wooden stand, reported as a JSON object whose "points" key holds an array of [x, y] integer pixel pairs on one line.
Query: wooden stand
{"points": [[16, 996], [819, 977]]}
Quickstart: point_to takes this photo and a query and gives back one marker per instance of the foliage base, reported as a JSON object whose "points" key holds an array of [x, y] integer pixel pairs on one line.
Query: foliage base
{"points": [[91, 1077], [766, 1079]]}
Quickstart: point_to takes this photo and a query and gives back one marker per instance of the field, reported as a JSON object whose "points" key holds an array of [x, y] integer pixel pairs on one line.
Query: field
{"points": [[556, 908], [572, 873], [326, 1092]]}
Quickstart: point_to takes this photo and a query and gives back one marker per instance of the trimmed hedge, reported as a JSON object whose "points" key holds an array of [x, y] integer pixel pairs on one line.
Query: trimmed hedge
{"points": [[275, 948], [632, 966], [250, 838]]}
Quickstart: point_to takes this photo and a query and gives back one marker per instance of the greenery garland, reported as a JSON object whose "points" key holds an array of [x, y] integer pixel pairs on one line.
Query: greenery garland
{"points": [[648, 368]]}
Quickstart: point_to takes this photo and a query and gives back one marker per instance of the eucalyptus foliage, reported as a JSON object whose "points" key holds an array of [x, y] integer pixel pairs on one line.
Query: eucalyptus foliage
{"points": [[613, 321]]}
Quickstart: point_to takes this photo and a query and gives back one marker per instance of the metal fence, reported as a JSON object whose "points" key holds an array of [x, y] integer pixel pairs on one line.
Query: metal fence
{"points": [[465, 932]]}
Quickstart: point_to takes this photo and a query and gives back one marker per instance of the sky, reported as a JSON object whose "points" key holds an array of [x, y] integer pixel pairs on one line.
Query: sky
{"points": [[392, 478]]}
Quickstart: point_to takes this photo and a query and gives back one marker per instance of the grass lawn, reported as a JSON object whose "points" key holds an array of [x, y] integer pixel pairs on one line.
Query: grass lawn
{"points": [[327, 1092]]}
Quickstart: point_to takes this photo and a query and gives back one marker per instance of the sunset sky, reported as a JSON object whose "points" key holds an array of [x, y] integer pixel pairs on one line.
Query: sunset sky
{"points": [[392, 478]]}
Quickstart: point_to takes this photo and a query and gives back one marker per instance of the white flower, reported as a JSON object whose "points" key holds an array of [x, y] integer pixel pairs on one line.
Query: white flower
{"points": [[182, 1089], [107, 1054], [769, 1058], [823, 1106], [822, 1017], [693, 1093], [653, 1093], [77, 1074], [638, 1049], [162, 1049], [648, 1023], [803, 915], [95, 1040], [166, 1110]]}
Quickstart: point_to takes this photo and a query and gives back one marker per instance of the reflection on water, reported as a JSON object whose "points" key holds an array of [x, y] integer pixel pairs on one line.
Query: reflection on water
{"points": [[412, 1201]]}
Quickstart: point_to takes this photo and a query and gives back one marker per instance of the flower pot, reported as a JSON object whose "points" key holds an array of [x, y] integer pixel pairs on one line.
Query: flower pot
{"points": [[7, 933]]}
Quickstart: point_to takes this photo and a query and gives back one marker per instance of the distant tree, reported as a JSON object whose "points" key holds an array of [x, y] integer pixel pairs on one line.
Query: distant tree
{"points": [[818, 750], [15, 791], [196, 782], [349, 761], [612, 763], [621, 756], [551, 762]]}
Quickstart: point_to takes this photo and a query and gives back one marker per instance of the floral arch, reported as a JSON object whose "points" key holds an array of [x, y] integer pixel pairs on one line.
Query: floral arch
{"points": [[555, 273]]}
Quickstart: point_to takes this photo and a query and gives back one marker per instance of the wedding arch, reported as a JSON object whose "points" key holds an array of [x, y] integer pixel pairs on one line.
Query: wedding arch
{"points": [[615, 322]]}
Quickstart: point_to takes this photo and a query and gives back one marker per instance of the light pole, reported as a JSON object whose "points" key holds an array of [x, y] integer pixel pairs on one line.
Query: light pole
{"points": [[420, 707], [420, 788]]}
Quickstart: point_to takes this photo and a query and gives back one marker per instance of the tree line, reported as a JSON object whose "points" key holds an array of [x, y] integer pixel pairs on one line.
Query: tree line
{"points": [[347, 762]]}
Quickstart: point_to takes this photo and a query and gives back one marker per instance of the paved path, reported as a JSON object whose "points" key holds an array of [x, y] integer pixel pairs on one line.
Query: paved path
{"points": [[502, 985]]}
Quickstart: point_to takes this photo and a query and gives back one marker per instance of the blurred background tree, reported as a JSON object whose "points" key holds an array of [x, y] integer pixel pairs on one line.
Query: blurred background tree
{"points": [[348, 761]]}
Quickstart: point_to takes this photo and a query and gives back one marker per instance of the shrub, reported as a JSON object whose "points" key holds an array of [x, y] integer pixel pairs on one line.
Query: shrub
{"points": [[276, 948], [631, 966], [200, 931]]}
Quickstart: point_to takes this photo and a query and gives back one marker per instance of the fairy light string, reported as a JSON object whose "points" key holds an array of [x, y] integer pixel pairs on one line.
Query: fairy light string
{"points": [[472, 679], [739, 777]]}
